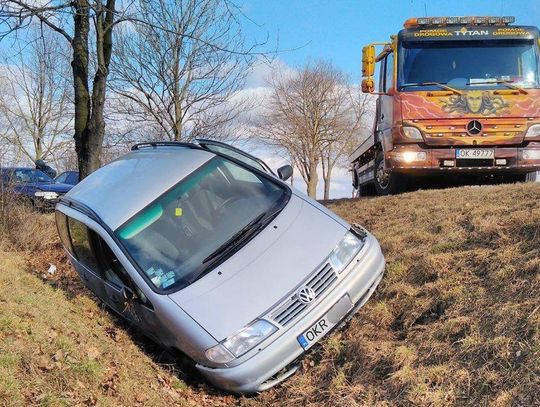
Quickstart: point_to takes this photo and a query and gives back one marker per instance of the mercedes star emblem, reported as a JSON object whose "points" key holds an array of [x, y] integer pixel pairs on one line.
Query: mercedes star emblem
{"points": [[474, 127]]}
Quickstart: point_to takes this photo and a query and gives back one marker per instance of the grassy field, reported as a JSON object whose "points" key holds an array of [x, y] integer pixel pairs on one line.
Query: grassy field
{"points": [[456, 320]]}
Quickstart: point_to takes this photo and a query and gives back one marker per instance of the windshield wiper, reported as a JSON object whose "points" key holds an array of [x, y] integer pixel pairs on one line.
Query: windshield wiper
{"points": [[237, 239], [510, 84], [440, 85]]}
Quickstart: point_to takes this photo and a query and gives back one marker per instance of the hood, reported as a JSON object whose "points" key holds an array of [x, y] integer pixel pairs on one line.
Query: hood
{"points": [[264, 271], [443, 119], [54, 187]]}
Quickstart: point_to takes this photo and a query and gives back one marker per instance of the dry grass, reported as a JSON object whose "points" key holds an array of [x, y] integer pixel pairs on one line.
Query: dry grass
{"points": [[456, 320]]}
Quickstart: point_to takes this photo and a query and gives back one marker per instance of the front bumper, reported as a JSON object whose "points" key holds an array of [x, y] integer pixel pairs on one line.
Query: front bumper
{"points": [[359, 281], [439, 160], [45, 204]]}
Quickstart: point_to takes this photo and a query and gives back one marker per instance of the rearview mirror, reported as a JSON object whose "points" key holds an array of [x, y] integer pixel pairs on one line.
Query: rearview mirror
{"points": [[368, 85], [285, 172], [368, 61]]}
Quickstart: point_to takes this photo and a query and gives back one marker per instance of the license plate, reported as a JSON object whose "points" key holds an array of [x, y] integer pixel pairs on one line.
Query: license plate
{"points": [[326, 323], [475, 153]]}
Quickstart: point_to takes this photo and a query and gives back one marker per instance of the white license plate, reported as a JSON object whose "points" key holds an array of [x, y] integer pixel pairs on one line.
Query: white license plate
{"points": [[326, 323], [475, 153]]}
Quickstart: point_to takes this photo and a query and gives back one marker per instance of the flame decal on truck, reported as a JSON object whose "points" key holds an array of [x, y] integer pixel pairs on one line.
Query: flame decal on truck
{"points": [[475, 101], [472, 104]]}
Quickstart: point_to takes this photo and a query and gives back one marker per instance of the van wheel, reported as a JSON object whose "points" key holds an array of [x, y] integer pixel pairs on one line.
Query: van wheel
{"points": [[387, 183]]}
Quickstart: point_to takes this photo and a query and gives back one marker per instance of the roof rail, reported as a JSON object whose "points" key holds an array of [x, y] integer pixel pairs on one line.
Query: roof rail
{"points": [[155, 144]]}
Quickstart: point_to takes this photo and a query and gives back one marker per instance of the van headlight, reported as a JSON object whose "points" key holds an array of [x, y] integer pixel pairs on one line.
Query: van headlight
{"points": [[46, 194], [241, 342], [345, 251]]}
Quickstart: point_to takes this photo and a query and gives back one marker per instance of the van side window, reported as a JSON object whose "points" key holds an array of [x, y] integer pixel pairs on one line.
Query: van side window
{"points": [[63, 231], [80, 241], [112, 269]]}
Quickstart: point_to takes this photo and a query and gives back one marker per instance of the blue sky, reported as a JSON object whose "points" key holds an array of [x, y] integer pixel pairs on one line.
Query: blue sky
{"points": [[337, 29]]}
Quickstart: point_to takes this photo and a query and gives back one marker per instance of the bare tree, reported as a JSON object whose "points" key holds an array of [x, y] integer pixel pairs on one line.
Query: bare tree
{"points": [[346, 132], [34, 102], [88, 27], [181, 78], [76, 21], [307, 113]]}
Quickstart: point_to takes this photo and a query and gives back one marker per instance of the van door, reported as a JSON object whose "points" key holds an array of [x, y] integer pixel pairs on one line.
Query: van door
{"points": [[122, 294], [78, 239]]}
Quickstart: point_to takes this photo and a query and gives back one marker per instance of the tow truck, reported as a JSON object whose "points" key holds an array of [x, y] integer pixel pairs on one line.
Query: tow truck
{"points": [[457, 96]]}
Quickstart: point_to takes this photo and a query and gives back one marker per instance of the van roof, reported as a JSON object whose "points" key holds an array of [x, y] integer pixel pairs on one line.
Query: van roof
{"points": [[122, 188]]}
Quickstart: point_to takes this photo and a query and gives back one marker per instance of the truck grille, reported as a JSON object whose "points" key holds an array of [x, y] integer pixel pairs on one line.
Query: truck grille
{"points": [[292, 308]]}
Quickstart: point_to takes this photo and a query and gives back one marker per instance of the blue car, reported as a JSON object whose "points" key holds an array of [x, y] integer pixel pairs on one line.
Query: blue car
{"points": [[33, 185], [68, 177]]}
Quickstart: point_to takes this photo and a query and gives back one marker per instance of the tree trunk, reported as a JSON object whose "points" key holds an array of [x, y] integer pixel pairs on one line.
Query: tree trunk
{"points": [[80, 85], [313, 179], [89, 109], [327, 189]]}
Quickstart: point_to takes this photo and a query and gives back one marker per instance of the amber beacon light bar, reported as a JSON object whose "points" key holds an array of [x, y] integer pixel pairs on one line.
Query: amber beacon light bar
{"points": [[442, 21]]}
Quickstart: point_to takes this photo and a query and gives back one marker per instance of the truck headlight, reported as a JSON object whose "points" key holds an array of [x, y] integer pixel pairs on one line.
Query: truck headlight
{"points": [[533, 131], [46, 194], [345, 251], [412, 133], [410, 156], [241, 342]]}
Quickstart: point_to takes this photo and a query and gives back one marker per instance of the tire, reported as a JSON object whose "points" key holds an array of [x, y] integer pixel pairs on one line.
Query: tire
{"points": [[513, 178], [387, 183], [367, 190]]}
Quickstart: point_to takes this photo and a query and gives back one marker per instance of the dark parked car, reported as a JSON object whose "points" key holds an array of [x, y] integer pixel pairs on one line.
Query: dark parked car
{"points": [[33, 185], [68, 177]]}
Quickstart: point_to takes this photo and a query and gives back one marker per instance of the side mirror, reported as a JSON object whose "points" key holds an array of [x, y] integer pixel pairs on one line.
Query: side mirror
{"points": [[368, 61], [368, 86], [285, 172]]}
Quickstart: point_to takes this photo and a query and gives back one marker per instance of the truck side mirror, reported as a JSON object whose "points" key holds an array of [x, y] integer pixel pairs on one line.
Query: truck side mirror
{"points": [[285, 172], [368, 61], [368, 85]]}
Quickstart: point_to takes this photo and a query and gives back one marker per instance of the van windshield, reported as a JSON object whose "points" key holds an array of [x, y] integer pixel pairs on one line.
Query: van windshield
{"points": [[468, 64], [179, 237]]}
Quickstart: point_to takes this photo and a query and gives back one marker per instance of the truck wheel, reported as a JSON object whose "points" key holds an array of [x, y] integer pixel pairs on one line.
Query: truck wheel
{"points": [[387, 183], [366, 190], [528, 177]]}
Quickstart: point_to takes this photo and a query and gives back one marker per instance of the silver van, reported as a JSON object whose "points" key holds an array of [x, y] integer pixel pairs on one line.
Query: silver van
{"points": [[209, 253]]}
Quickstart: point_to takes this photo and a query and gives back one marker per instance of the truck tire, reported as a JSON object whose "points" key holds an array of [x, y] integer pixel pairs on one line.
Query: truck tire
{"points": [[387, 183], [528, 177], [367, 190]]}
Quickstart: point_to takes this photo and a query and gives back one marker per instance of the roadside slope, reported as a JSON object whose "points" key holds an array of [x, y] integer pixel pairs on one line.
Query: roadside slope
{"points": [[456, 320]]}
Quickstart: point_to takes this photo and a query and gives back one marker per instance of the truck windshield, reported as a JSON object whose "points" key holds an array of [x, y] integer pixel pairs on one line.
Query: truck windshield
{"points": [[200, 221], [468, 64]]}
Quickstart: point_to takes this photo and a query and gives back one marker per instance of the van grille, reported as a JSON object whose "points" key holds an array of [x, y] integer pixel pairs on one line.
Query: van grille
{"points": [[293, 308]]}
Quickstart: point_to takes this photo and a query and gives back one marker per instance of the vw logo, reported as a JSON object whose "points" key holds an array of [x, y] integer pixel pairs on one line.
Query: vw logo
{"points": [[474, 127], [305, 295]]}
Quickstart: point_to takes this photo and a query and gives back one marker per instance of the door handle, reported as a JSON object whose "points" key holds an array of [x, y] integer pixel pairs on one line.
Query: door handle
{"points": [[382, 116]]}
